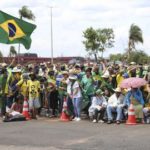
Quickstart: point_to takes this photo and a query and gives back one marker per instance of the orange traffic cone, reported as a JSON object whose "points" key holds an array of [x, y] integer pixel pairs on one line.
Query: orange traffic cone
{"points": [[25, 111], [131, 116], [64, 116]]}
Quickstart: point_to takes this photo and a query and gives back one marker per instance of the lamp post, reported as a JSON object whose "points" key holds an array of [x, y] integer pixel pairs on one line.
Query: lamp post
{"points": [[51, 14]]}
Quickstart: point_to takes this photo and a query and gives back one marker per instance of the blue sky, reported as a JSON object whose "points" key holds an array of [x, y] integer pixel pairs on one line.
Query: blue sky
{"points": [[72, 17]]}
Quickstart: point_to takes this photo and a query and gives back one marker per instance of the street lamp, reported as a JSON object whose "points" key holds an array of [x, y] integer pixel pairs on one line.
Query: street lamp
{"points": [[51, 14]]}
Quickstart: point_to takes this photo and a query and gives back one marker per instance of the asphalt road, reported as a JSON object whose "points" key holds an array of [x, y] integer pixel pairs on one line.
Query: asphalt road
{"points": [[45, 134]]}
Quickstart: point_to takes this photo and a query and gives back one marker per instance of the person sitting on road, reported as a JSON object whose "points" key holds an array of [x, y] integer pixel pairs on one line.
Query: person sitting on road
{"points": [[115, 104], [135, 97], [98, 105]]}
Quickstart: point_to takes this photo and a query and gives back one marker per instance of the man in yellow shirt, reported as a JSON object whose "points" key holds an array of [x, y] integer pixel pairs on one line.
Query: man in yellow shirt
{"points": [[22, 85], [33, 93]]}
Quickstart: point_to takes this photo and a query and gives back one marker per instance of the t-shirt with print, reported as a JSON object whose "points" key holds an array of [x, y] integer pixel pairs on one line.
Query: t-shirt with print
{"points": [[33, 87]]}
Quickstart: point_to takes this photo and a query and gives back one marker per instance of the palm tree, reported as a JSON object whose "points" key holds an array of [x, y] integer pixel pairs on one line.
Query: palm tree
{"points": [[135, 37], [24, 12], [12, 51]]}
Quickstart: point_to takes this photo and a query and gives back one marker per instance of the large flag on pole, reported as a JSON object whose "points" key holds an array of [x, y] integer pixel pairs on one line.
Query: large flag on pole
{"points": [[14, 30]]}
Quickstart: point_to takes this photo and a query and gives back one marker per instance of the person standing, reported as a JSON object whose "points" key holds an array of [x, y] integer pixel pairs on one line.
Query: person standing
{"points": [[76, 97], [33, 92]]}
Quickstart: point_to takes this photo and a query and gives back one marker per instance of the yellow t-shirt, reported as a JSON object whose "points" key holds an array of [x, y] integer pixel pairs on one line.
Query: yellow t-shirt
{"points": [[119, 79], [23, 87], [33, 88]]}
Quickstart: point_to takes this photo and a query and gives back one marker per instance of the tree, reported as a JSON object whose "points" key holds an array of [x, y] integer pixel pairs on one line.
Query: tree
{"points": [[135, 37], [12, 51], [98, 40], [139, 57], [105, 39], [116, 57], [91, 43], [24, 12]]}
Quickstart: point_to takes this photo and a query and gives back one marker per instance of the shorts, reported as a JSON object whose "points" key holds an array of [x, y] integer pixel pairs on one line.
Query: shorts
{"points": [[34, 103]]}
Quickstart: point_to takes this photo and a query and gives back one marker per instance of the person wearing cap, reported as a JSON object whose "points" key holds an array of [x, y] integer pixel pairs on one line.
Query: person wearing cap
{"points": [[13, 91], [115, 104], [98, 105], [22, 85], [106, 82], [33, 93], [75, 94]]}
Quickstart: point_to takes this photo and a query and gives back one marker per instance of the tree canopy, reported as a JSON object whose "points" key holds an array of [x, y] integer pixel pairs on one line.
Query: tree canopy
{"points": [[26, 13], [135, 36], [97, 40]]}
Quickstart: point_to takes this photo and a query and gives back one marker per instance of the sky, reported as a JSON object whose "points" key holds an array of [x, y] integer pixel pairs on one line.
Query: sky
{"points": [[72, 17]]}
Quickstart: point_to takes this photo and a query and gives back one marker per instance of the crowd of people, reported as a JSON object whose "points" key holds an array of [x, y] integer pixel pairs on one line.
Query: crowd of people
{"points": [[89, 88]]}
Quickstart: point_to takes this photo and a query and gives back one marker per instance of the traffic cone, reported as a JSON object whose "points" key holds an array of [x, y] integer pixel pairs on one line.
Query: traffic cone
{"points": [[131, 116], [25, 111], [64, 116]]}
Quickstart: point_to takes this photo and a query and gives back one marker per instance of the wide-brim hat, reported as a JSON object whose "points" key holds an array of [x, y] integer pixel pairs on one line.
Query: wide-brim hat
{"points": [[118, 90], [65, 72], [73, 77], [132, 63], [105, 75], [15, 70], [3, 64]]}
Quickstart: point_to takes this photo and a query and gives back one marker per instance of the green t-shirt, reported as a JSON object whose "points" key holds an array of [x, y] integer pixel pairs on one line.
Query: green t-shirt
{"points": [[87, 84]]}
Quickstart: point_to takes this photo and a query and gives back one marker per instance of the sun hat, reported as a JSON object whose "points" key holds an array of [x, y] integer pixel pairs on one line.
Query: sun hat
{"points": [[73, 77], [132, 63], [65, 72], [105, 75], [118, 89], [15, 70]]}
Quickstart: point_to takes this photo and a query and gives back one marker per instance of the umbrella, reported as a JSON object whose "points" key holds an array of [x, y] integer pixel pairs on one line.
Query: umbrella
{"points": [[133, 82]]}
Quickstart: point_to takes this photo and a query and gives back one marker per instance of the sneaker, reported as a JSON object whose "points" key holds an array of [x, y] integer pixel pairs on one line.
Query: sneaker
{"points": [[109, 122], [74, 119], [78, 119], [100, 121], [94, 121], [117, 122]]}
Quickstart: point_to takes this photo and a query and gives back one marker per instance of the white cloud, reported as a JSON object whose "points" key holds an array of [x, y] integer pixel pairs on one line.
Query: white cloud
{"points": [[71, 17]]}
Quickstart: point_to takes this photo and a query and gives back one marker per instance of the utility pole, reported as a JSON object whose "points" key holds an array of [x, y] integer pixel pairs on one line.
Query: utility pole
{"points": [[51, 14]]}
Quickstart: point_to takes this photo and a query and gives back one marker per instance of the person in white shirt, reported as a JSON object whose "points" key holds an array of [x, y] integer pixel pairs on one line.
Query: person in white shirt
{"points": [[98, 105], [76, 96], [115, 104]]}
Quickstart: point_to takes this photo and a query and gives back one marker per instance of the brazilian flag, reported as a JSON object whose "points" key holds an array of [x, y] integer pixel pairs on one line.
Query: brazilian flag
{"points": [[14, 30]]}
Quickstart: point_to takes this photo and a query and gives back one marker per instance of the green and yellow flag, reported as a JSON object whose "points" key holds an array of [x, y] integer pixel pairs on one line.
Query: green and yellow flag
{"points": [[14, 30]]}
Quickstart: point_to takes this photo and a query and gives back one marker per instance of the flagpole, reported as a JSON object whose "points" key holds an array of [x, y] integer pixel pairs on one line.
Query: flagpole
{"points": [[19, 48]]}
